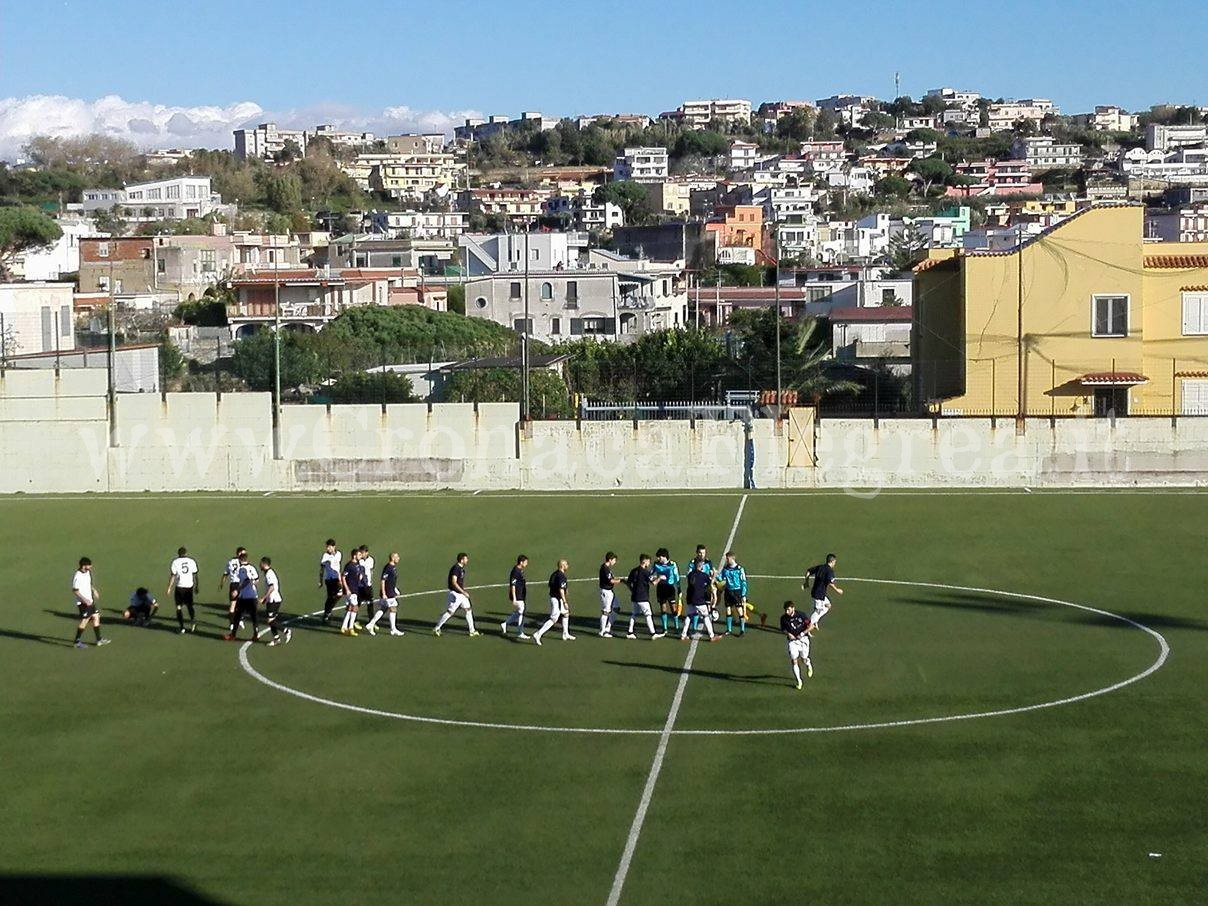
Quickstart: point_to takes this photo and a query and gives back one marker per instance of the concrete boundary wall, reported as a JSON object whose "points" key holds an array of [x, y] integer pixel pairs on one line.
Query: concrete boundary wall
{"points": [[54, 437]]}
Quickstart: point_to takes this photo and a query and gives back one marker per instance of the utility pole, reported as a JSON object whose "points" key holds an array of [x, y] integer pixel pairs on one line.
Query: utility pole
{"points": [[111, 359], [276, 364], [524, 335], [1020, 414], [776, 291]]}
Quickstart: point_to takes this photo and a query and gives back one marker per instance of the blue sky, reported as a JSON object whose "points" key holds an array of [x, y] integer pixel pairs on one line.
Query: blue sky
{"points": [[567, 58]]}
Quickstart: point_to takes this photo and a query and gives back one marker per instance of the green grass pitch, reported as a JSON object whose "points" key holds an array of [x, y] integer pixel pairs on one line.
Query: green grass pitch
{"points": [[158, 765]]}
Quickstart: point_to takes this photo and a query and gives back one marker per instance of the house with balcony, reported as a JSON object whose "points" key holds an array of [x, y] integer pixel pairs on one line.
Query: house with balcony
{"points": [[955, 98], [992, 177], [266, 141], [869, 337], [503, 202], [738, 226], [178, 198], [447, 225], [641, 165], [826, 288], [743, 155], [1121, 331], [1004, 116], [699, 114], [417, 175], [1043, 152]]}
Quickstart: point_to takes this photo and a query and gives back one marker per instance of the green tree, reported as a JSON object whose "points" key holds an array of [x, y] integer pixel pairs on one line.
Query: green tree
{"points": [[932, 170], [171, 361], [906, 248], [892, 186], [804, 351], [797, 125], [301, 363], [23, 228], [372, 387], [457, 298], [282, 192], [629, 195], [548, 394]]}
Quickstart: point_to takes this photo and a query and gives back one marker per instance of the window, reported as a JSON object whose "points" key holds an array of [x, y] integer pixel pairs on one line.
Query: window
{"points": [[547, 292], [514, 292], [518, 325], [888, 297], [396, 260], [174, 191], [555, 326], [1110, 316], [208, 261], [572, 292], [102, 249], [818, 294], [1195, 314], [161, 266], [535, 254], [102, 283]]}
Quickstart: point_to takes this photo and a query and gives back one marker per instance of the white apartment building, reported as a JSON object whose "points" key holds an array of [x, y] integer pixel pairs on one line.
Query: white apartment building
{"points": [[955, 97], [641, 165], [788, 204], [503, 201], [416, 175], [1004, 116], [1159, 137], [1042, 152], [1110, 118], [340, 138], [62, 257], [493, 253], [37, 318], [824, 156], [798, 237], [266, 140], [415, 143], [419, 224], [163, 199], [698, 114], [743, 155]]}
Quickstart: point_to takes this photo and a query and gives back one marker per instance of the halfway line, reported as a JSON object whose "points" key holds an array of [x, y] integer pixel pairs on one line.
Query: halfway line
{"points": [[656, 767]]}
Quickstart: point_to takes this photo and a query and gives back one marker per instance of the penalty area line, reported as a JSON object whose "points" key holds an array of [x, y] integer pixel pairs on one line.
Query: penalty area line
{"points": [[660, 753]]}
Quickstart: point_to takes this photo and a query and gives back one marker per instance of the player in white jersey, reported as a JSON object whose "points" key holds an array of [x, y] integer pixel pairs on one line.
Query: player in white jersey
{"points": [[86, 594], [230, 578], [271, 599], [330, 564], [182, 580]]}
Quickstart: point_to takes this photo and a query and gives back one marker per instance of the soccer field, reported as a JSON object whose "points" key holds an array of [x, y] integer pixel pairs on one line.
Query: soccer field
{"points": [[993, 716]]}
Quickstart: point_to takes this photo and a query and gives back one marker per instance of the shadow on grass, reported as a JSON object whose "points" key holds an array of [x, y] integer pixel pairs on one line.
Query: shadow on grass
{"points": [[96, 890], [113, 618], [759, 679], [33, 637], [1020, 607]]}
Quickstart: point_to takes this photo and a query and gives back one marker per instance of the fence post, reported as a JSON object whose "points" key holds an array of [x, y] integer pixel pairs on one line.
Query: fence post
{"points": [[876, 399], [1053, 395], [1174, 392]]}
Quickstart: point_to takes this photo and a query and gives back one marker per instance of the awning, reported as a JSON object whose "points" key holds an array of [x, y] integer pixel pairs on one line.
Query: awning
{"points": [[1113, 379]]}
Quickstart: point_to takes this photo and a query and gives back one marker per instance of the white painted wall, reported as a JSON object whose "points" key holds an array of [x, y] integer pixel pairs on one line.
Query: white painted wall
{"points": [[54, 437]]}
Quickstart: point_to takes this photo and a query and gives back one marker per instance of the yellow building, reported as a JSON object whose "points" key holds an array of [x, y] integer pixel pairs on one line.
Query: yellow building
{"points": [[1084, 319]]}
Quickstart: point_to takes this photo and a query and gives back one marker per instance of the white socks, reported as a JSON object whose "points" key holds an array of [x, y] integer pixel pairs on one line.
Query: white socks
{"points": [[796, 671], [393, 619], [604, 622], [565, 627], [444, 618], [470, 619]]}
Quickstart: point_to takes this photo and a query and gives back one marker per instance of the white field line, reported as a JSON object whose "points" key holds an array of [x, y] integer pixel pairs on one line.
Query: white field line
{"points": [[451, 494], [656, 767]]}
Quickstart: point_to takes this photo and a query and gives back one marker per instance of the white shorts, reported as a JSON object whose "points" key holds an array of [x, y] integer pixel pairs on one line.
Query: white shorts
{"points": [[641, 608], [350, 600], [557, 609], [456, 601], [607, 596], [820, 609], [387, 604], [518, 605], [799, 649]]}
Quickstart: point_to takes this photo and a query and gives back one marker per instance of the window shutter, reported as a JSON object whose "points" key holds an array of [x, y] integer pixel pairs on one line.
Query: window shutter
{"points": [[576, 327]]}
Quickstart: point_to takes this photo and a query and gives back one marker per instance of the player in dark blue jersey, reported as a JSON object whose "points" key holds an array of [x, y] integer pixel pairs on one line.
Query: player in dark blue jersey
{"points": [[350, 581], [608, 597], [517, 592], [820, 580], [559, 606], [388, 603], [246, 598], [796, 627], [458, 597], [701, 595], [639, 581]]}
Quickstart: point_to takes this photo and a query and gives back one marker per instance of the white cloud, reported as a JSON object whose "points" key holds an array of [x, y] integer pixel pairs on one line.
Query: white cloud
{"points": [[150, 125]]}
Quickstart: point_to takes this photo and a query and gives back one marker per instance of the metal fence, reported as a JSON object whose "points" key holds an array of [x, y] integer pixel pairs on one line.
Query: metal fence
{"points": [[598, 410]]}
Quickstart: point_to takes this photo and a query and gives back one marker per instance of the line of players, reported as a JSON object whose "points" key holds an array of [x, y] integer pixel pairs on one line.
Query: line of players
{"points": [[352, 583]]}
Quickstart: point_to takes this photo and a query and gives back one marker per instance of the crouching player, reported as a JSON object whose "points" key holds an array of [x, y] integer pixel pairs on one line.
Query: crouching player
{"points": [[141, 609], [667, 589], [733, 579], [796, 627]]}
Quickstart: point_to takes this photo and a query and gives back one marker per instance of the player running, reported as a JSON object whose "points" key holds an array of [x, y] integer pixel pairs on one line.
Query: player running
{"points": [[559, 607], [365, 589], [459, 598], [182, 578], [517, 590], [351, 578], [639, 581], [271, 600], [667, 589], [329, 576], [796, 627], [733, 579], [389, 600], [141, 608], [701, 596], [823, 579], [86, 595], [608, 596], [246, 598]]}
